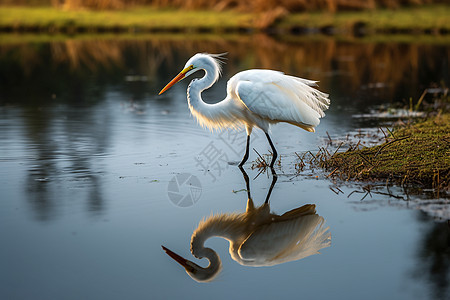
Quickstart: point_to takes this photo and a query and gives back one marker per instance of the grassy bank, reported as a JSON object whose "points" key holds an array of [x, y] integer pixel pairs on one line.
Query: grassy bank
{"points": [[434, 18], [417, 154], [135, 19], [423, 19]]}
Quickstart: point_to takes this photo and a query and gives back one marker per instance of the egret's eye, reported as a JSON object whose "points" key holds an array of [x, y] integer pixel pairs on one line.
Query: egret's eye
{"points": [[190, 67]]}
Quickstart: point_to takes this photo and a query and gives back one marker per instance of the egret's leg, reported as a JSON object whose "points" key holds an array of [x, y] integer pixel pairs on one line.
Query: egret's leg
{"points": [[274, 151], [244, 159], [247, 182], [274, 180]]}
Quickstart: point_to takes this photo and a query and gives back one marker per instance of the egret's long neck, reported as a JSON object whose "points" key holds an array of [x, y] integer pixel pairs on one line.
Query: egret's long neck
{"points": [[225, 226], [212, 116]]}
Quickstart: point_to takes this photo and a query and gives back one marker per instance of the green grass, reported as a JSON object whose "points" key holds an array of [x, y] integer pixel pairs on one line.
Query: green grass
{"points": [[417, 154], [419, 18], [48, 17], [144, 18]]}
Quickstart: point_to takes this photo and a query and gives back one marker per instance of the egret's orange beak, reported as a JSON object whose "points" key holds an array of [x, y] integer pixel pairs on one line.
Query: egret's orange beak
{"points": [[182, 261], [179, 77]]}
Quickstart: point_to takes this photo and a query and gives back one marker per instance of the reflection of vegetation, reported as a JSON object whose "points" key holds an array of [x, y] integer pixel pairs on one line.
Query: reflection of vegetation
{"points": [[36, 68], [434, 259], [348, 68], [63, 148]]}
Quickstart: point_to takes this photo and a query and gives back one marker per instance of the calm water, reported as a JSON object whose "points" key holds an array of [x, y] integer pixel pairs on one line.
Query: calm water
{"points": [[88, 151]]}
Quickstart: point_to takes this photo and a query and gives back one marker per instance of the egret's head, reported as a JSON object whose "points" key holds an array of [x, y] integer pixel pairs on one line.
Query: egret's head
{"points": [[200, 61], [195, 271]]}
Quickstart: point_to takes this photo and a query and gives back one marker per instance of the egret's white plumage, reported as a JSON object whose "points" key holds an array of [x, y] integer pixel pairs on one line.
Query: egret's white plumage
{"points": [[254, 98], [275, 97]]}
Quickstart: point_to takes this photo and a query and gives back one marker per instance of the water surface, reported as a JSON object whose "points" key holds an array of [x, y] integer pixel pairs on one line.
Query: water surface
{"points": [[88, 150]]}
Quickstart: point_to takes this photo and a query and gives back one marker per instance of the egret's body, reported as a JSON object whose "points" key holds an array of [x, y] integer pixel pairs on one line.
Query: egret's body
{"points": [[254, 98], [257, 237]]}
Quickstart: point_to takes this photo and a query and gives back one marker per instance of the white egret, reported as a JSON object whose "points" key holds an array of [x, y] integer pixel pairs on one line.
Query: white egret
{"points": [[257, 237], [254, 98]]}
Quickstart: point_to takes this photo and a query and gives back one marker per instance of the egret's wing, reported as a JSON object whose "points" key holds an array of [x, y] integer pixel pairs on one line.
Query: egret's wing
{"points": [[307, 209], [278, 97], [284, 241]]}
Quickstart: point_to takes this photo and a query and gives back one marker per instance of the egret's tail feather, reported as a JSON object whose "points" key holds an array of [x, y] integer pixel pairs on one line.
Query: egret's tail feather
{"points": [[309, 128]]}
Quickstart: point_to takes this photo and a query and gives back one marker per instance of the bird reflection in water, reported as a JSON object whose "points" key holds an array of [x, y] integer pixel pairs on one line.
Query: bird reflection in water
{"points": [[257, 237]]}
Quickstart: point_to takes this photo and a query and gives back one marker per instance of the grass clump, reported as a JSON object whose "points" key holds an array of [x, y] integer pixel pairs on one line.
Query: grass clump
{"points": [[415, 154]]}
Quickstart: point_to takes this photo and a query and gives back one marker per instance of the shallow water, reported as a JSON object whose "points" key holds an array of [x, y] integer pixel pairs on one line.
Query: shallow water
{"points": [[88, 151]]}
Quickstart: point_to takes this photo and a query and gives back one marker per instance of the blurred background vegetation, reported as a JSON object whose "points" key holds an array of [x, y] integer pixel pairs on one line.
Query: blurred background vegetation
{"points": [[73, 16], [244, 6]]}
